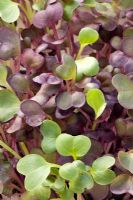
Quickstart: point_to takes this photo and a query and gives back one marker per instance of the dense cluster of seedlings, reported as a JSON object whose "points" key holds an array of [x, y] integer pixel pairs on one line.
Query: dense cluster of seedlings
{"points": [[66, 99]]}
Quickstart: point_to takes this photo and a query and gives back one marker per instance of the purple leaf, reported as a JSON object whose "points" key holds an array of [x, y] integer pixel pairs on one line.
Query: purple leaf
{"points": [[35, 120], [19, 83], [78, 99], [118, 59], [30, 107], [31, 59], [33, 112], [47, 78], [48, 17], [9, 43]]}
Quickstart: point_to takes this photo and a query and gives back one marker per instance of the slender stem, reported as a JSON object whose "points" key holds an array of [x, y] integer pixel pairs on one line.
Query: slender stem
{"points": [[56, 37], [55, 165], [70, 42], [23, 9], [94, 126], [25, 12], [70, 32], [73, 83], [80, 52], [24, 148], [5, 146], [30, 12], [108, 147], [74, 157], [17, 64], [68, 86]]}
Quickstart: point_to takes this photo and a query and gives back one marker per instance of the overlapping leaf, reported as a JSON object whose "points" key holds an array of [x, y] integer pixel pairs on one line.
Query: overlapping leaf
{"points": [[124, 86], [67, 71], [9, 105], [66, 100], [9, 11], [123, 183], [100, 172], [126, 160], [36, 170], [87, 66], [78, 145], [50, 131]]}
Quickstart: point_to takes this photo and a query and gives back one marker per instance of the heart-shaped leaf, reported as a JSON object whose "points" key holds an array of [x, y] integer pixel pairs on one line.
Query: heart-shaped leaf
{"points": [[50, 131], [36, 170], [103, 177], [126, 160], [9, 105], [67, 71], [9, 11], [69, 171], [96, 100], [66, 100], [33, 160], [47, 78], [122, 184], [78, 145], [124, 86], [48, 17], [87, 36], [87, 66], [103, 163], [33, 112], [31, 59], [100, 172], [82, 182]]}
